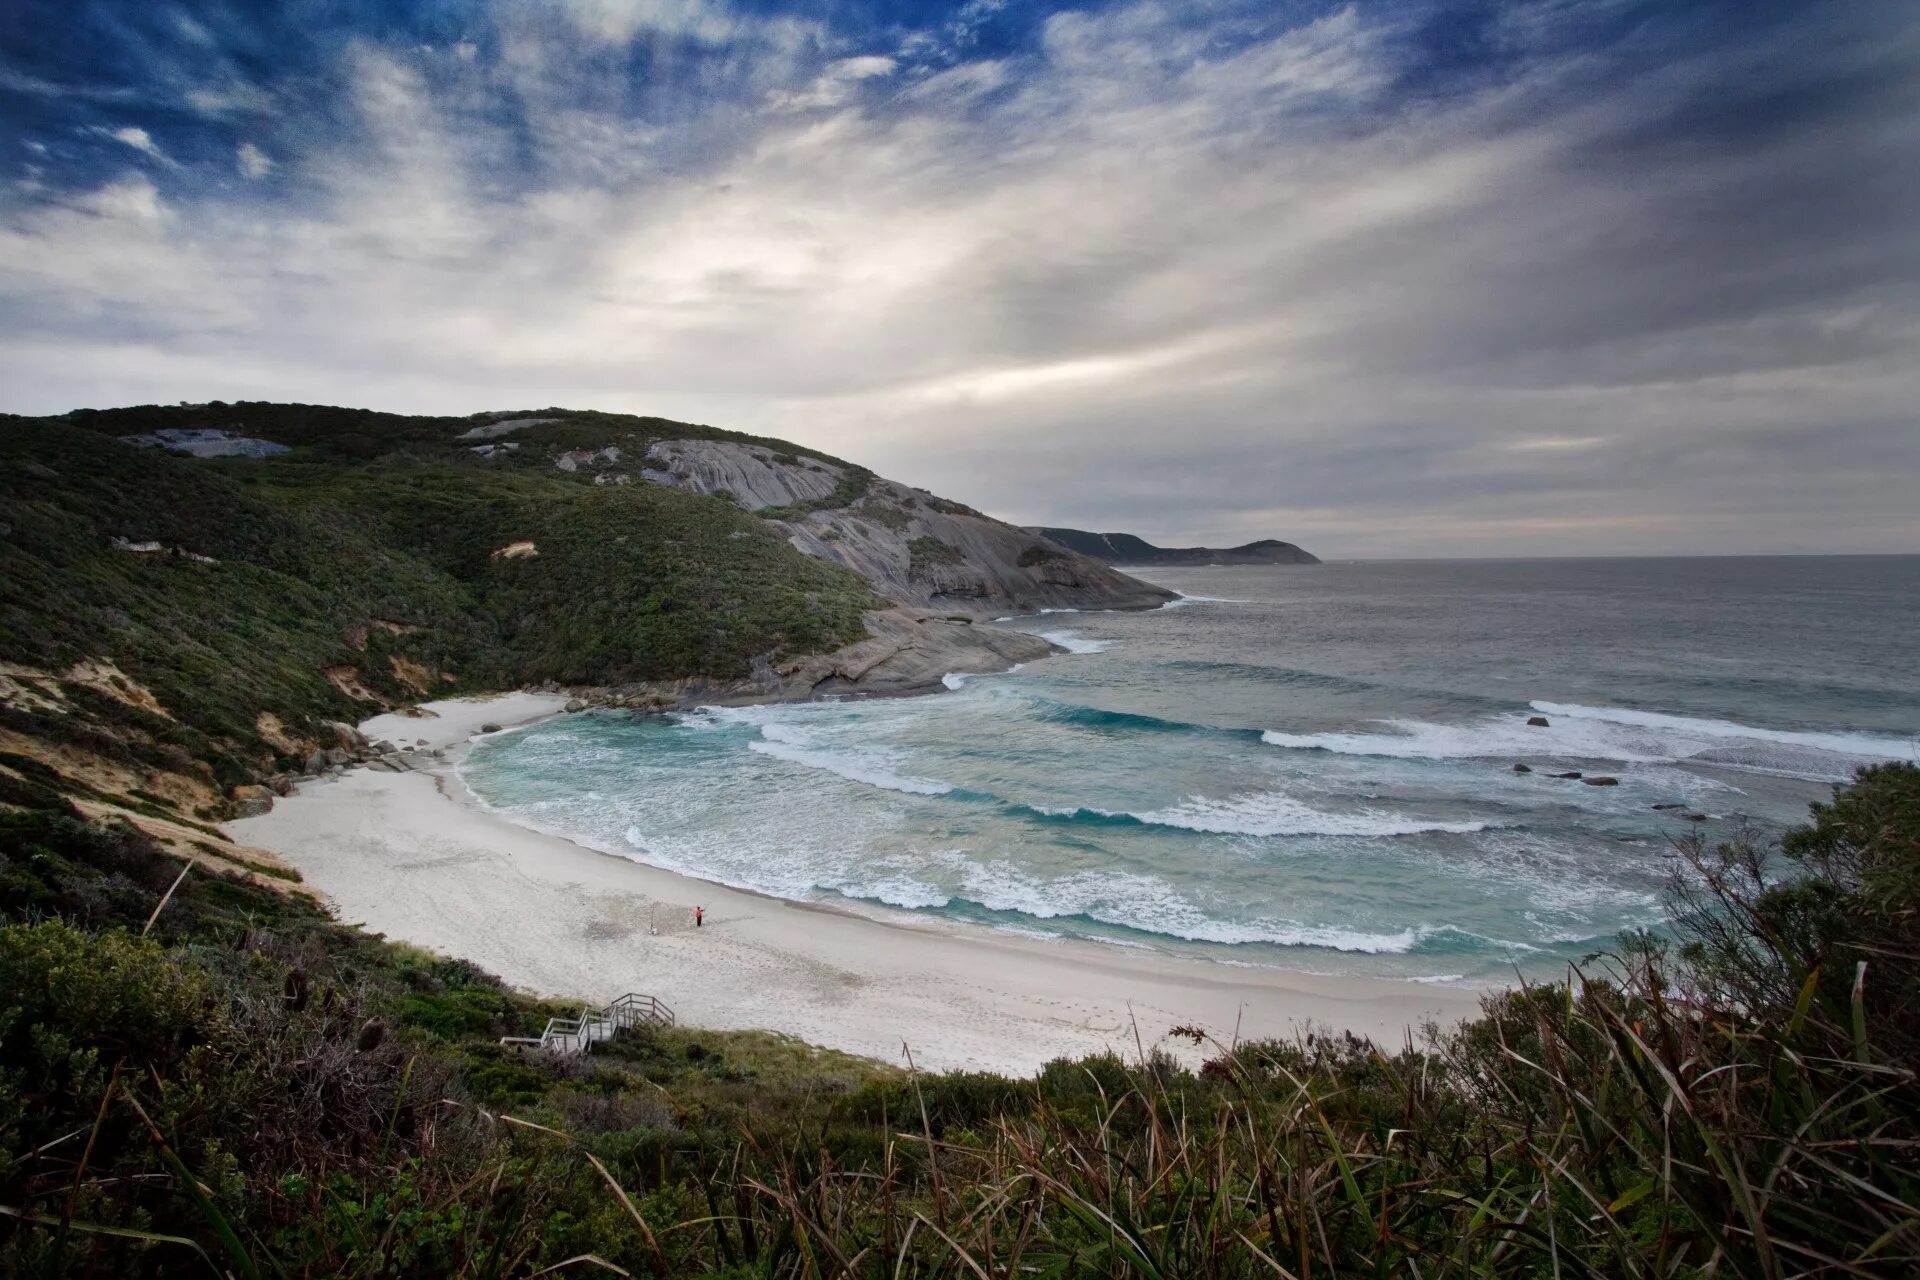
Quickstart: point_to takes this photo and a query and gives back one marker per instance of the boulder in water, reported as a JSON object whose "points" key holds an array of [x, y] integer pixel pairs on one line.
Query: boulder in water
{"points": [[1694, 817], [1521, 768], [489, 727], [1601, 782], [1537, 722], [1662, 808], [1574, 773]]}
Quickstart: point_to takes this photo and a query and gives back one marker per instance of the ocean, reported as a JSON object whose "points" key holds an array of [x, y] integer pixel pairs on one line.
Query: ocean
{"points": [[1303, 767]]}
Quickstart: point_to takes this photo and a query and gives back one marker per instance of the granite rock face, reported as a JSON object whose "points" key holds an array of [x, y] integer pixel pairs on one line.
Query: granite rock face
{"points": [[917, 550], [755, 476], [207, 442]]}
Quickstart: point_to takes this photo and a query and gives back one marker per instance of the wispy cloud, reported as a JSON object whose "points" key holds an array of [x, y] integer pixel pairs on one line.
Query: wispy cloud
{"points": [[252, 161], [140, 140], [834, 86], [1375, 279]]}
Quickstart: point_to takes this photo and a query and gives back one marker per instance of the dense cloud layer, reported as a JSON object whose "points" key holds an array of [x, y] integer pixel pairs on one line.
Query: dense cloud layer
{"points": [[1498, 278]]}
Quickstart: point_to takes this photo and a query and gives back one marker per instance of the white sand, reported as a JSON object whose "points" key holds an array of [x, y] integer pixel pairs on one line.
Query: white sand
{"points": [[412, 856], [457, 720]]}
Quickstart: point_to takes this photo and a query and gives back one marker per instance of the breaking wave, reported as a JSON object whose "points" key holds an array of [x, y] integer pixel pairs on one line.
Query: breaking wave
{"points": [[1097, 718], [1074, 642], [1146, 906], [870, 765], [1267, 813], [1614, 734]]}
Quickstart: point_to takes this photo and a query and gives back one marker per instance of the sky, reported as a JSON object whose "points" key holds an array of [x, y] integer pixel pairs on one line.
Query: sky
{"points": [[1407, 278]]}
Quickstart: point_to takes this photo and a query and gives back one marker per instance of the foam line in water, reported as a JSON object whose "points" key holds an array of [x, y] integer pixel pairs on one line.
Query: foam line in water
{"points": [[1863, 745], [1271, 813], [1260, 813], [1074, 642], [867, 765], [1183, 597], [1148, 905], [1082, 716], [1616, 735]]}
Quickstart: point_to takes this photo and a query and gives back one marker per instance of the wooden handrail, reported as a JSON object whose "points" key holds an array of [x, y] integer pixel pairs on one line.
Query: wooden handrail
{"points": [[578, 1035]]}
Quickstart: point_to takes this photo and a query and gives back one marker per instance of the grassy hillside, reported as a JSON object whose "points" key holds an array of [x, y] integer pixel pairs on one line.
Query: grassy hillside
{"points": [[369, 550], [251, 1090]]}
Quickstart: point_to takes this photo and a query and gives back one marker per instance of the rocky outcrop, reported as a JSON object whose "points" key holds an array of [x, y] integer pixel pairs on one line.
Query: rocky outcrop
{"points": [[916, 549], [1125, 548], [207, 442], [251, 801], [906, 652], [754, 476], [574, 459], [504, 427]]}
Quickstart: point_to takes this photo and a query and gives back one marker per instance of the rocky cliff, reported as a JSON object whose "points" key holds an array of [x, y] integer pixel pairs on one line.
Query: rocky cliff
{"points": [[1125, 548], [915, 548]]}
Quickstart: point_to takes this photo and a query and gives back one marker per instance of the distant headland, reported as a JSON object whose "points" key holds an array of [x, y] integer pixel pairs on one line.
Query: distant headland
{"points": [[1125, 548]]}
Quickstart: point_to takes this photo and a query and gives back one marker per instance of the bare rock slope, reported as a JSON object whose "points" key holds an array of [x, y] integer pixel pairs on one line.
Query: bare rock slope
{"points": [[917, 549]]}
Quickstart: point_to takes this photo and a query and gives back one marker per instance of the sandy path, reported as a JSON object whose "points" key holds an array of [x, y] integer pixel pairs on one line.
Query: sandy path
{"points": [[411, 856]]}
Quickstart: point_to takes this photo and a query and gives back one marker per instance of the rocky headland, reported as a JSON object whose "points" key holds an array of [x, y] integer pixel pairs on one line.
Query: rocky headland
{"points": [[1125, 548]]}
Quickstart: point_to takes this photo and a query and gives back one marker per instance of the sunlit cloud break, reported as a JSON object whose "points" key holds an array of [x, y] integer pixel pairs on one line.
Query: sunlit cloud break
{"points": [[1405, 278]]}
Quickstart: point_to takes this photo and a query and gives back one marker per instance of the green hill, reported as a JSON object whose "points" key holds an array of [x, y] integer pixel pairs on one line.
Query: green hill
{"points": [[368, 551]]}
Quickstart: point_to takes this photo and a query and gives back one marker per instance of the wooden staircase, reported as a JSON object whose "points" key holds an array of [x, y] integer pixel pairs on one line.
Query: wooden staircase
{"points": [[578, 1035]]}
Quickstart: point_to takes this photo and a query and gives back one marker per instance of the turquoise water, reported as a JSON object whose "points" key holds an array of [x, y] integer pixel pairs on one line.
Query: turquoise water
{"points": [[1304, 767]]}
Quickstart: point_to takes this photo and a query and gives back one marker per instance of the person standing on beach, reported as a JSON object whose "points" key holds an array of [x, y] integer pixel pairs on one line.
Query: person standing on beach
{"points": [[699, 917]]}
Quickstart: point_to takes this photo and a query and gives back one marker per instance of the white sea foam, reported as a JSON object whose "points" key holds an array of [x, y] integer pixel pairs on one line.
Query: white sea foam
{"points": [[872, 766], [897, 891], [1611, 734], [1861, 745], [1183, 597], [1489, 736], [954, 679], [1272, 813], [1074, 642], [1151, 905]]}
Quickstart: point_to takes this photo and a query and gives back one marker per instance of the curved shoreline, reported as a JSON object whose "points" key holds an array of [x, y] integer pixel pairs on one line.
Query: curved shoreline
{"points": [[414, 856]]}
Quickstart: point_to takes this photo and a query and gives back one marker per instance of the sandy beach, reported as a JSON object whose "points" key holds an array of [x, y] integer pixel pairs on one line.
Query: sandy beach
{"points": [[413, 856]]}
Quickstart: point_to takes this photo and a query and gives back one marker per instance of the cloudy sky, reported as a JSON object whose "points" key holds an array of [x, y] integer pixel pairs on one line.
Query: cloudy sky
{"points": [[1416, 277]]}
